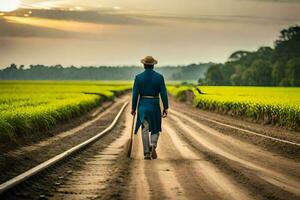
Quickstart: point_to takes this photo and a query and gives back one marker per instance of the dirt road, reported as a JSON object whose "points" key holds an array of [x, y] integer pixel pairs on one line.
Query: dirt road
{"points": [[197, 159]]}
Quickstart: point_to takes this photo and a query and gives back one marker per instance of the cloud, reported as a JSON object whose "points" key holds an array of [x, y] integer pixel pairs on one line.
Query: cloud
{"points": [[88, 23], [89, 16], [63, 23], [226, 19], [23, 30], [278, 1], [49, 4]]}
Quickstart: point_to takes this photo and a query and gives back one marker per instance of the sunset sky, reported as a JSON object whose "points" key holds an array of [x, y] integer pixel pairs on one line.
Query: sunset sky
{"points": [[120, 32]]}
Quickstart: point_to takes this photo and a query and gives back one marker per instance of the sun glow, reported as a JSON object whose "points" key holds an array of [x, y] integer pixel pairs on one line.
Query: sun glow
{"points": [[9, 5], [70, 26]]}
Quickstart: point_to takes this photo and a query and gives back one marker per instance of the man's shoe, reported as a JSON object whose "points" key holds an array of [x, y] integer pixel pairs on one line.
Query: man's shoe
{"points": [[153, 152], [147, 156]]}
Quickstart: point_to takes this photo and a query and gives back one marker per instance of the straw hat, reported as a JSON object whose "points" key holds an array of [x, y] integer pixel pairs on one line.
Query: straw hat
{"points": [[149, 60]]}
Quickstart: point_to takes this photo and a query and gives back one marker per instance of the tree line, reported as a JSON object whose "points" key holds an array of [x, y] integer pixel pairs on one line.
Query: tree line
{"points": [[278, 66], [59, 72]]}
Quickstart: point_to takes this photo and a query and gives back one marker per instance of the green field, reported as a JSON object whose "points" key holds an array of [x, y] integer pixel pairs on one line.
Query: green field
{"points": [[28, 107], [270, 105]]}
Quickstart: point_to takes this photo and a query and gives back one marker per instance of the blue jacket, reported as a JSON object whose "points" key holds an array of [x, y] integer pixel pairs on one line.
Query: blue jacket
{"points": [[149, 83]]}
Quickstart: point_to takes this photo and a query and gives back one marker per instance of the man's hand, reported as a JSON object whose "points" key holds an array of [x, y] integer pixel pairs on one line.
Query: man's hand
{"points": [[165, 113], [133, 112]]}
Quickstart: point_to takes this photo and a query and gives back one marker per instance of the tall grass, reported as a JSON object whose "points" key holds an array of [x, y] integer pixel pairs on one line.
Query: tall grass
{"points": [[29, 107], [270, 105]]}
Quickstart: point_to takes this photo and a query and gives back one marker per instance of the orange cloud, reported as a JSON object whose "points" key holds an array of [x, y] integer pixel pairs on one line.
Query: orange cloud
{"points": [[64, 25]]}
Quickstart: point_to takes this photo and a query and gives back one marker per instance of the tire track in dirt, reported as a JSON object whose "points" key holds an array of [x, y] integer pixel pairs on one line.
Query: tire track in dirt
{"points": [[201, 179], [98, 177], [235, 127], [281, 182], [97, 171], [138, 187], [144, 182], [248, 151], [178, 173]]}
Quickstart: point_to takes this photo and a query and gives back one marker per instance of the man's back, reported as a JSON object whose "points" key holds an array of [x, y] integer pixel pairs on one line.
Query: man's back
{"points": [[149, 82]]}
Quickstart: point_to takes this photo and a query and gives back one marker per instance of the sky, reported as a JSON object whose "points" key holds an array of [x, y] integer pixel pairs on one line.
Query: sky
{"points": [[121, 32]]}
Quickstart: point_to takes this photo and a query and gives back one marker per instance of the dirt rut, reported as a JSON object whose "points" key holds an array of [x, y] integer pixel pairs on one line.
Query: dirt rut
{"points": [[196, 161]]}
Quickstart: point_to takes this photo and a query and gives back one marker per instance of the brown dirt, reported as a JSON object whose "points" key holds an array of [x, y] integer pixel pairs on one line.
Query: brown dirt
{"points": [[201, 161]]}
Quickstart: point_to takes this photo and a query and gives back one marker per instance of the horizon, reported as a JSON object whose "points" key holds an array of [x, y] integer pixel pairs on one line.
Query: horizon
{"points": [[118, 33], [99, 66]]}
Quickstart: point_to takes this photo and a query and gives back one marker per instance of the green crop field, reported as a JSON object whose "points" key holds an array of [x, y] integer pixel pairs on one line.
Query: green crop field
{"points": [[271, 105], [27, 107]]}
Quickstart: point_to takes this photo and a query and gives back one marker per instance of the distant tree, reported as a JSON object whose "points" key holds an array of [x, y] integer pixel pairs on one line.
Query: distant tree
{"points": [[214, 75], [21, 67], [227, 71], [238, 55], [266, 66], [288, 44], [289, 34], [235, 79], [200, 81], [247, 77], [239, 68], [189, 72], [59, 72], [11, 72], [13, 67], [278, 72], [262, 72], [58, 66], [293, 72], [265, 53]]}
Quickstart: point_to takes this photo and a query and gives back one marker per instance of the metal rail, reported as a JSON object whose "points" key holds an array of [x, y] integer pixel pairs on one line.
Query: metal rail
{"points": [[41, 167]]}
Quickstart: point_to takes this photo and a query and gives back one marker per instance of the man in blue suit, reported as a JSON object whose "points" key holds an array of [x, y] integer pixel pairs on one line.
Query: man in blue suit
{"points": [[147, 87]]}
